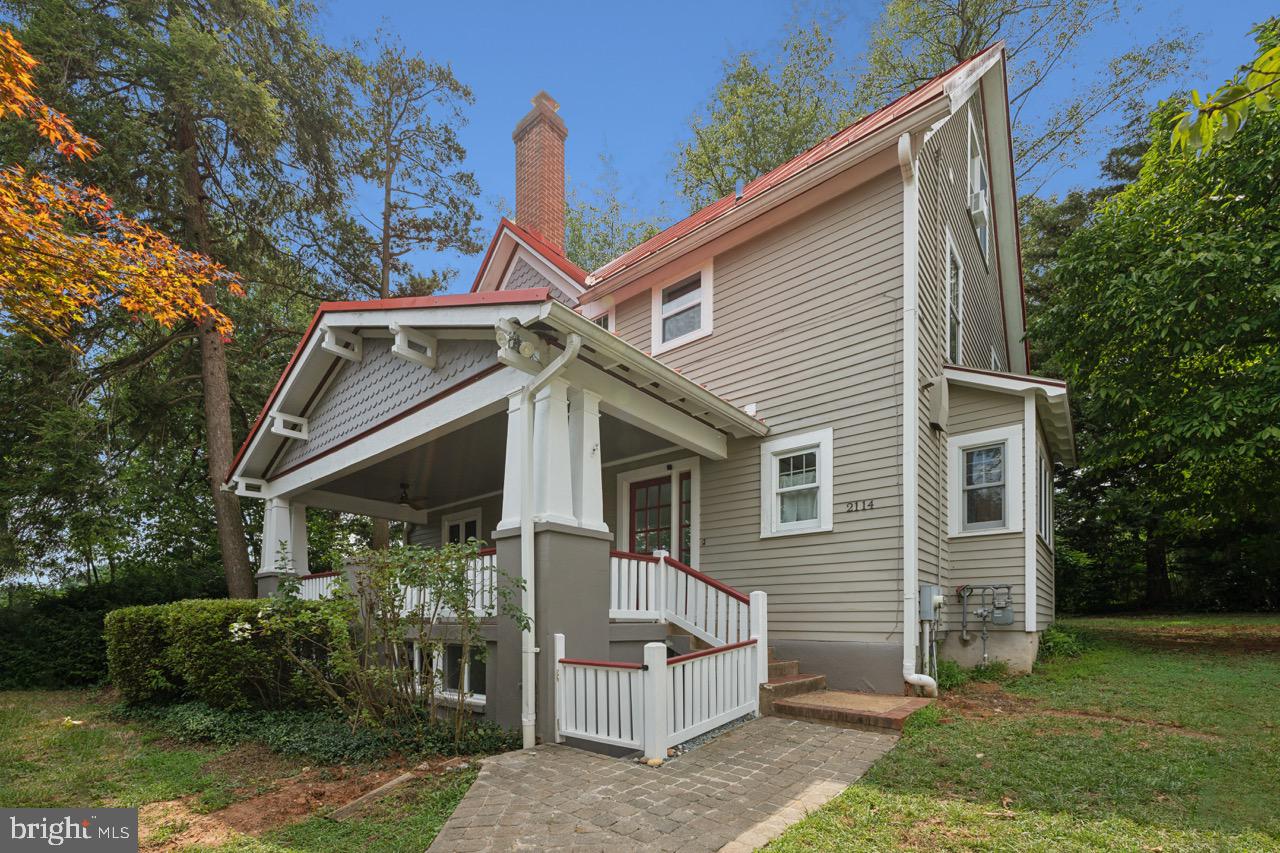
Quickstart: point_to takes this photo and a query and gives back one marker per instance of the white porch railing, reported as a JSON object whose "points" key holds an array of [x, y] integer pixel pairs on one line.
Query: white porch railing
{"points": [[661, 703], [317, 586], [663, 589], [482, 580]]}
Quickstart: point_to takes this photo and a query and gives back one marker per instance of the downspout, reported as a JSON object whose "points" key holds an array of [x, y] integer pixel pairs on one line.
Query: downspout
{"points": [[911, 416], [528, 601]]}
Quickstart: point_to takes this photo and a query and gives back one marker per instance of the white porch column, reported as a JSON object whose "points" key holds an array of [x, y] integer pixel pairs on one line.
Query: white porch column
{"points": [[584, 445], [512, 475], [277, 530], [298, 539], [552, 468]]}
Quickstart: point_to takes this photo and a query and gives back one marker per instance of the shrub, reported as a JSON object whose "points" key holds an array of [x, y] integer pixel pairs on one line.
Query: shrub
{"points": [[1058, 641], [207, 650], [320, 736]]}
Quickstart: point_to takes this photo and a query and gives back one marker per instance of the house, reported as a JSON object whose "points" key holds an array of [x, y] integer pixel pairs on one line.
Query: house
{"points": [[816, 390]]}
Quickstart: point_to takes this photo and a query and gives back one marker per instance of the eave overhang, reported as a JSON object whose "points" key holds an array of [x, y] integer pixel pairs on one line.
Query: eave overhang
{"points": [[1052, 403]]}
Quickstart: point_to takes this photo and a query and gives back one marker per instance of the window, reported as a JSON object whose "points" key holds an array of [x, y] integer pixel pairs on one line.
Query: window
{"points": [[459, 527], [453, 677], [955, 302], [979, 189], [1044, 497], [605, 320], [986, 482], [682, 311], [996, 364], [795, 484]]}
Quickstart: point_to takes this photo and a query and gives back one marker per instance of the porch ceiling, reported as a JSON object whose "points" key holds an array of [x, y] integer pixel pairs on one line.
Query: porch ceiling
{"points": [[469, 462]]}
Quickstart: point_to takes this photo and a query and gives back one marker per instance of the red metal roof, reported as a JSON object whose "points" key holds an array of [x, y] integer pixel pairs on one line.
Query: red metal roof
{"points": [[548, 252], [500, 297], [826, 148]]}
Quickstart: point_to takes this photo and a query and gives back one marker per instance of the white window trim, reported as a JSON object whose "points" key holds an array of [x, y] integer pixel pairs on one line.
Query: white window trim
{"points": [[996, 363], [823, 441], [610, 313], [474, 699], [1011, 437], [656, 344], [952, 250], [1044, 502], [984, 246], [653, 472], [462, 516]]}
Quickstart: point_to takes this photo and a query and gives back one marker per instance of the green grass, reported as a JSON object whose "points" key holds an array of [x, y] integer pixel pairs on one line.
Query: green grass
{"points": [[1163, 734], [48, 761]]}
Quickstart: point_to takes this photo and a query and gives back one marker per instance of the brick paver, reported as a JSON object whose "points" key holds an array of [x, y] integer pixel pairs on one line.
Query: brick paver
{"points": [[732, 794]]}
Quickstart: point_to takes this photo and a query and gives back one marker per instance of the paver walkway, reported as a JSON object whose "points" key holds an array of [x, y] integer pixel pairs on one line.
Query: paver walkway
{"points": [[734, 793]]}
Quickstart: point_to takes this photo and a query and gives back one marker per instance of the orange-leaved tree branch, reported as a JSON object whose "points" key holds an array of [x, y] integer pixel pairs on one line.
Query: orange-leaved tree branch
{"points": [[66, 252]]}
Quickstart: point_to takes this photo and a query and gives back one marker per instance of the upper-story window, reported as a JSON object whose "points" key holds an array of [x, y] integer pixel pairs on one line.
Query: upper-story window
{"points": [[979, 189], [604, 321], [996, 363], [955, 302], [682, 311]]}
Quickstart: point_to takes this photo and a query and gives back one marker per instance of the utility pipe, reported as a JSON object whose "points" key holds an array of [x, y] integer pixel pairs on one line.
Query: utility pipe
{"points": [[528, 600]]}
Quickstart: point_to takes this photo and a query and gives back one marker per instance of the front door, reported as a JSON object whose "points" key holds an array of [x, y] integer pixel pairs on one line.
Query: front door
{"points": [[662, 515]]}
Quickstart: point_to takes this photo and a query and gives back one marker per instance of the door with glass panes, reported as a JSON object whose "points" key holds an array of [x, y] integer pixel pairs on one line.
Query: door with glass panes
{"points": [[661, 512]]}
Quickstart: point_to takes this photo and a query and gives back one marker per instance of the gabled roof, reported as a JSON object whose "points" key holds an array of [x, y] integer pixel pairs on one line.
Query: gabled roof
{"points": [[832, 145], [536, 244]]}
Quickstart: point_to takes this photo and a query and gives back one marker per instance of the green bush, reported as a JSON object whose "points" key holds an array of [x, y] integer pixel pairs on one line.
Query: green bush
{"points": [[1058, 641], [206, 650], [320, 736]]}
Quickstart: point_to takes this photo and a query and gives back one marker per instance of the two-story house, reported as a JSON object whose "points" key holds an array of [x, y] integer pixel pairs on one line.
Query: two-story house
{"points": [[816, 388]]}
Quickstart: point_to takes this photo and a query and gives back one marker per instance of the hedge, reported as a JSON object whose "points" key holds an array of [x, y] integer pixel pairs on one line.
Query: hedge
{"points": [[188, 650]]}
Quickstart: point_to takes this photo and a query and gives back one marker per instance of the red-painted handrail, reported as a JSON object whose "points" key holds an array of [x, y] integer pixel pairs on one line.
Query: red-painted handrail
{"points": [[708, 580], [320, 575], [703, 653], [608, 663], [628, 555], [487, 552]]}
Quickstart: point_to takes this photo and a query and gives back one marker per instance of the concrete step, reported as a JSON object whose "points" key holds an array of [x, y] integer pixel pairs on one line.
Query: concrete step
{"points": [[782, 686], [783, 667], [846, 709]]}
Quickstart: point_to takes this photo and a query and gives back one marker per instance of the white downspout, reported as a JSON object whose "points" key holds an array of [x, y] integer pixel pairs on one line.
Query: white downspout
{"points": [[528, 651], [911, 417]]}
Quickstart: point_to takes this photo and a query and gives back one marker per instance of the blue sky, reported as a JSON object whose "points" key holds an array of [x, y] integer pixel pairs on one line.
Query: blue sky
{"points": [[628, 76]]}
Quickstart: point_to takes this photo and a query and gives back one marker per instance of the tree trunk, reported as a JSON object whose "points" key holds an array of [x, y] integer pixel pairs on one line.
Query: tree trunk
{"points": [[219, 449], [1159, 590]]}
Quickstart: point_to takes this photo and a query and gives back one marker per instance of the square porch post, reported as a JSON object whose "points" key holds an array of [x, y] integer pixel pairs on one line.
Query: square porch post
{"points": [[584, 445], [284, 543]]}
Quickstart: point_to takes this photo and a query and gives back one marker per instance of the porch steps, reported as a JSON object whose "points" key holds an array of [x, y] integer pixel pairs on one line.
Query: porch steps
{"points": [[783, 667], [780, 687], [846, 709]]}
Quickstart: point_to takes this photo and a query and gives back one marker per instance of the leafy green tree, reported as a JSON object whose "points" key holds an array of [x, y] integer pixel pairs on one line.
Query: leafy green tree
{"points": [[600, 225], [763, 112], [915, 40], [1255, 89]]}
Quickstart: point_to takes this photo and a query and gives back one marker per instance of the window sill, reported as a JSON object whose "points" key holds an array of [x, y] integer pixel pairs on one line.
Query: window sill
{"points": [[657, 348], [994, 531], [800, 531], [451, 699], [1047, 543]]}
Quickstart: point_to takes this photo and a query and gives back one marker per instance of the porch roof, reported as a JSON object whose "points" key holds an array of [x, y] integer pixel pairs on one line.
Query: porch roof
{"points": [[473, 317]]}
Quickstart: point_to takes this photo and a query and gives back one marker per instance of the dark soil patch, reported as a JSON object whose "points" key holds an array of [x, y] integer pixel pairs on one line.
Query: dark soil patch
{"points": [[1228, 639]]}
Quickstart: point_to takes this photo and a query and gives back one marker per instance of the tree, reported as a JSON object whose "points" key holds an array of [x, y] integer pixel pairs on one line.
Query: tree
{"points": [[599, 225], [915, 40], [1255, 89], [763, 113], [66, 251], [1165, 321], [406, 145], [227, 111]]}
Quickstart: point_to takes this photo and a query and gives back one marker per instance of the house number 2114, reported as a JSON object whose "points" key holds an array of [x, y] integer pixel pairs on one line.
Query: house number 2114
{"points": [[860, 505]]}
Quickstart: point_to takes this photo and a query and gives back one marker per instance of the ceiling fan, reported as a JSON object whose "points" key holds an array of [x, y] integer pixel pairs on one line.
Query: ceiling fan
{"points": [[418, 503]]}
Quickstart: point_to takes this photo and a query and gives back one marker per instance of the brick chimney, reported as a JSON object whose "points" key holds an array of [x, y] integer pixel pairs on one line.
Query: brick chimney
{"points": [[539, 139]]}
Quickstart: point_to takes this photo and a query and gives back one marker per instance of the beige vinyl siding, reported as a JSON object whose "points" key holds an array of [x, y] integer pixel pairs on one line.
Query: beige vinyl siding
{"points": [[998, 557], [1046, 596], [808, 327], [428, 535]]}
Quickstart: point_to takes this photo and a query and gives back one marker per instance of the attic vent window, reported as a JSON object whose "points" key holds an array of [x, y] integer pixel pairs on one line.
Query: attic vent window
{"points": [[979, 191], [682, 311]]}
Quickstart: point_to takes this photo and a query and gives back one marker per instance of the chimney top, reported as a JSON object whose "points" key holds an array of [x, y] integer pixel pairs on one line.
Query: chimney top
{"points": [[539, 139]]}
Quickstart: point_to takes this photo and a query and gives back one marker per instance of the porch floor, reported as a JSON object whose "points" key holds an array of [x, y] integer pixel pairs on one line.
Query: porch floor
{"points": [[848, 709], [734, 793]]}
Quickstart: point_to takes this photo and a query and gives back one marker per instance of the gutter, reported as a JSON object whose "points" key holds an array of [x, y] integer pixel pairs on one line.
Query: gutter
{"points": [[911, 415], [528, 600]]}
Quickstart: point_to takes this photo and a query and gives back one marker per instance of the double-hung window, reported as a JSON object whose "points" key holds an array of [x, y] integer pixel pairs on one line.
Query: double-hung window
{"points": [[955, 302], [456, 675], [1044, 498], [979, 190], [986, 482], [682, 311], [795, 484], [460, 527]]}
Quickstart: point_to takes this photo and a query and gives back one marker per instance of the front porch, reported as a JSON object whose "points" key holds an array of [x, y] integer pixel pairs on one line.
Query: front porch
{"points": [[511, 419]]}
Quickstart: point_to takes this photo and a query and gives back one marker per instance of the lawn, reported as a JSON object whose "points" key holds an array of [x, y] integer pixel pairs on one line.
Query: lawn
{"points": [[1164, 735], [63, 749]]}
